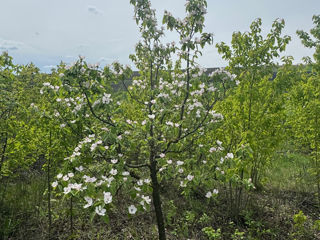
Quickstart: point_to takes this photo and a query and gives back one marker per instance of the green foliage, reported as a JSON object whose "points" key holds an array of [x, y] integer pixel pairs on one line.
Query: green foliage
{"points": [[212, 233], [299, 219], [316, 225], [237, 235], [300, 230], [305, 103], [253, 111], [115, 150], [250, 51]]}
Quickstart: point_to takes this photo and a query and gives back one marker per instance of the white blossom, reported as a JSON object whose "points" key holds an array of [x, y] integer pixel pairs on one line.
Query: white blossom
{"points": [[169, 123], [229, 155], [106, 98], [66, 190], [182, 184], [80, 168], [147, 181], [190, 177], [54, 184], [107, 197], [113, 171], [100, 211], [151, 116], [132, 209], [76, 186], [93, 147], [88, 179], [179, 163], [89, 202], [147, 199], [213, 149], [65, 178]]}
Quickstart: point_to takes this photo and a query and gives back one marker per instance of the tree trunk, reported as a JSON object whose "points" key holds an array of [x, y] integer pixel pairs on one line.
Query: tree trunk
{"points": [[317, 161], [3, 151], [71, 216], [49, 187], [157, 199]]}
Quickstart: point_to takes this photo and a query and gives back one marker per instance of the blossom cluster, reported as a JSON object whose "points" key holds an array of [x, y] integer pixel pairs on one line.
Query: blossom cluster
{"points": [[226, 75], [48, 85]]}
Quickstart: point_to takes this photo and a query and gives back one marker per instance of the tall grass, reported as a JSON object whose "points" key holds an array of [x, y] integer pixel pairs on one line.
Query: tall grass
{"points": [[20, 206], [290, 172]]}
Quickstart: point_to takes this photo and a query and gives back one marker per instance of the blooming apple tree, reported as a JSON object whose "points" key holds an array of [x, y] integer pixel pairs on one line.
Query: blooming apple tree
{"points": [[151, 131]]}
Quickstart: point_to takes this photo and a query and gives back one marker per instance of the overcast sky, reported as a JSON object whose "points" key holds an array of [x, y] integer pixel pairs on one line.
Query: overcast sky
{"points": [[46, 32]]}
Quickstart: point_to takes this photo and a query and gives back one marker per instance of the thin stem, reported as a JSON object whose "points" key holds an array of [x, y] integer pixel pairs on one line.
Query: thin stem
{"points": [[49, 186]]}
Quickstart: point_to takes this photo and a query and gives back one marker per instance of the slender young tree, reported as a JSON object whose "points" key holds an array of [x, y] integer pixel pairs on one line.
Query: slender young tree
{"points": [[149, 132], [253, 111], [305, 99]]}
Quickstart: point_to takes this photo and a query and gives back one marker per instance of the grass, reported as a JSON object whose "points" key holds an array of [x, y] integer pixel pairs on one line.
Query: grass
{"points": [[288, 189], [290, 172], [20, 201]]}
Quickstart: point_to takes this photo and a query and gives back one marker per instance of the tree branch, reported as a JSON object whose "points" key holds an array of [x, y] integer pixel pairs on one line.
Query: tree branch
{"points": [[93, 112], [191, 132], [137, 166]]}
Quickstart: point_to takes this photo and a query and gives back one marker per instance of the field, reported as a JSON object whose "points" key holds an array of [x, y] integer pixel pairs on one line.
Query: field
{"points": [[170, 151]]}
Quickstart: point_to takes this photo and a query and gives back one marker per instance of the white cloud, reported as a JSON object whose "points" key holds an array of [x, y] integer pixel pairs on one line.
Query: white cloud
{"points": [[10, 45], [105, 59], [94, 10], [49, 66]]}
